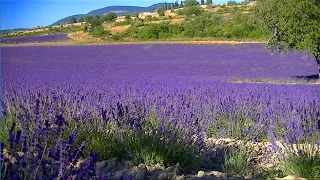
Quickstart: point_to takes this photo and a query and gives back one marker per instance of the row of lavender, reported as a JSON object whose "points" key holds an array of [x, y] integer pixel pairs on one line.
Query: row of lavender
{"points": [[294, 108], [34, 39], [118, 120]]}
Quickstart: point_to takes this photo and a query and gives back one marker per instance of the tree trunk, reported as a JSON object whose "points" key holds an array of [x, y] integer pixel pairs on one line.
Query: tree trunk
{"points": [[318, 62]]}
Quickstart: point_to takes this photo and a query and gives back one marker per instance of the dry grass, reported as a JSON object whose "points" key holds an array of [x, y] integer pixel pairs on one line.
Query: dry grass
{"points": [[177, 21], [118, 29], [83, 37]]}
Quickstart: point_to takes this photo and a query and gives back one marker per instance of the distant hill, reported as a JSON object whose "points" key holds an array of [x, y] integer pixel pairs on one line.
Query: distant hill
{"points": [[3, 31], [120, 10]]}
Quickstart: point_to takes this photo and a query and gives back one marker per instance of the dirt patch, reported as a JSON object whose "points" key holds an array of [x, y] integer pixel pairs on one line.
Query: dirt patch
{"points": [[177, 21], [118, 29], [83, 37]]}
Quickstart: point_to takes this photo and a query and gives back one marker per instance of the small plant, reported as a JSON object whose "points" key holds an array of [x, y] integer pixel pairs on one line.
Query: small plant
{"points": [[302, 165], [236, 161]]}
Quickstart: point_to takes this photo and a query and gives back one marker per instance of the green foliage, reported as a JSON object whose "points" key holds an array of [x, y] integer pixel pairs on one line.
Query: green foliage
{"points": [[206, 24], [81, 19], [122, 23], [85, 28], [302, 165], [232, 3], [273, 174], [175, 5], [99, 32], [146, 146], [161, 11], [110, 17], [291, 24], [193, 10], [116, 37], [189, 3], [236, 161], [127, 17], [73, 20]]}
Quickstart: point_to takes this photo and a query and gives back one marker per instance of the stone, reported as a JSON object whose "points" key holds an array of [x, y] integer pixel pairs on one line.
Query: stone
{"points": [[142, 172], [163, 176], [200, 173], [101, 164]]}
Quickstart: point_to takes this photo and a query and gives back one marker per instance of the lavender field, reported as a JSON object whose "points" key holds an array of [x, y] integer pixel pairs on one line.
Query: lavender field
{"points": [[147, 104], [151, 63], [34, 39]]}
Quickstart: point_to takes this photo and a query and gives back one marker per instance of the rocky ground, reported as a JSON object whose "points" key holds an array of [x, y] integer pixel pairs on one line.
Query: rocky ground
{"points": [[261, 159]]}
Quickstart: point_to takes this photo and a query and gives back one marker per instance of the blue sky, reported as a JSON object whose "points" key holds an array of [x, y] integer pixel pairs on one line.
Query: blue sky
{"points": [[33, 13]]}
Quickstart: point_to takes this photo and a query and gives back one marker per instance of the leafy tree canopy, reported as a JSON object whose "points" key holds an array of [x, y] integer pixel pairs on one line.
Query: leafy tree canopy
{"points": [[73, 20], [189, 3], [161, 11], [110, 16], [292, 25]]}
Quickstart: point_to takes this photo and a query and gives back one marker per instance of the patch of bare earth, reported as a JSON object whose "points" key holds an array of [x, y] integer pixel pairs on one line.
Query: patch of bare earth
{"points": [[118, 29], [84, 37], [177, 21]]}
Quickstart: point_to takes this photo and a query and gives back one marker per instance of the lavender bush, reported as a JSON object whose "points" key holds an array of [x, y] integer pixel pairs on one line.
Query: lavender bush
{"points": [[37, 151], [33, 39]]}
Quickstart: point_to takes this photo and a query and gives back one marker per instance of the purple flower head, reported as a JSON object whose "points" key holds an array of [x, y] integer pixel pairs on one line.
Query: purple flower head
{"points": [[60, 121], [17, 140], [36, 107], [15, 176], [72, 137]]}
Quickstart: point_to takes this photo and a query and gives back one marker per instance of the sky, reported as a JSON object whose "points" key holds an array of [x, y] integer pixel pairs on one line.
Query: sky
{"points": [[33, 13]]}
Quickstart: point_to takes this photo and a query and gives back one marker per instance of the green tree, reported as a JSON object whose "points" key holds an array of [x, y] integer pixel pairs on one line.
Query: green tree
{"points": [[111, 16], [209, 2], [193, 10], [81, 19], [165, 6], [176, 4], [181, 5], [127, 17], [73, 20], [189, 3], [292, 25], [202, 2], [161, 11], [231, 3]]}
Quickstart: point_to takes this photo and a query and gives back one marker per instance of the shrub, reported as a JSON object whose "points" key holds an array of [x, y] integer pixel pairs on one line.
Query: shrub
{"points": [[302, 164], [116, 37], [161, 11], [236, 161], [193, 10]]}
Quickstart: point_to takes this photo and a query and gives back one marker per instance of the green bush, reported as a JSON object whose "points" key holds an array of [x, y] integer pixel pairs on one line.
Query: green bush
{"points": [[116, 37], [236, 161], [193, 10], [122, 23], [161, 11], [99, 32], [302, 165]]}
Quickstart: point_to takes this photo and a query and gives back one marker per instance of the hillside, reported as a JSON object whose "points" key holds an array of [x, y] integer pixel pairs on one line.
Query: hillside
{"points": [[120, 10]]}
